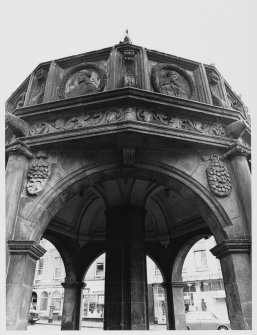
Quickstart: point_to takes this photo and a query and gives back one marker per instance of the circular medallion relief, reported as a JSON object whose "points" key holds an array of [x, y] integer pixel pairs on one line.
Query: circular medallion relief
{"points": [[172, 80], [82, 79]]}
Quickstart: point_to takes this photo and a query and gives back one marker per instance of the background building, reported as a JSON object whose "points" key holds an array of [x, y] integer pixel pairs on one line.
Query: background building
{"points": [[201, 274]]}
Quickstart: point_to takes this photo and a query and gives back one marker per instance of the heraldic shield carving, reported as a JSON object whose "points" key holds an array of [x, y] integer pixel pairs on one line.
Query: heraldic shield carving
{"points": [[86, 78], [218, 176], [38, 174], [172, 80]]}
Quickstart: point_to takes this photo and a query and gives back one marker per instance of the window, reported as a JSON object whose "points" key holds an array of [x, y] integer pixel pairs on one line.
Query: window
{"points": [[43, 301], [200, 259], [56, 300], [40, 267], [58, 267], [99, 271]]}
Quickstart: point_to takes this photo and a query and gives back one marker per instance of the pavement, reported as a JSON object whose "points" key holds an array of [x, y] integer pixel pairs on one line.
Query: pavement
{"points": [[92, 325]]}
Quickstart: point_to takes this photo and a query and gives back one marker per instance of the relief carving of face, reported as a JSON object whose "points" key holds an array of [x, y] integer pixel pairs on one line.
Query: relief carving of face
{"points": [[84, 77]]}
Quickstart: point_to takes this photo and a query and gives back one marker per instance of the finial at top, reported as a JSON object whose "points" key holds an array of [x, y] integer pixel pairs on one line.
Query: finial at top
{"points": [[126, 38]]}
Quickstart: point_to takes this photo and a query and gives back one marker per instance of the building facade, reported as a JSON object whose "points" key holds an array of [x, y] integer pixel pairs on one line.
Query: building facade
{"points": [[130, 152]]}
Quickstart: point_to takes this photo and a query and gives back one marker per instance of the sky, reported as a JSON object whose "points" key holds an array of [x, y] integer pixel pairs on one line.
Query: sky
{"points": [[223, 32]]}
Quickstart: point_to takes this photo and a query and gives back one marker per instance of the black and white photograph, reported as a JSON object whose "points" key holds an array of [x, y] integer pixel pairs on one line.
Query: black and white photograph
{"points": [[127, 166]]}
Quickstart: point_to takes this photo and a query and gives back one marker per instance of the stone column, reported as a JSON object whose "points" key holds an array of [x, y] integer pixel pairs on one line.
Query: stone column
{"points": [[18, 154], [125, 281], [19, 282], [178, 305], [238, 158], [72, 305], [170, 319], [236, 271]]}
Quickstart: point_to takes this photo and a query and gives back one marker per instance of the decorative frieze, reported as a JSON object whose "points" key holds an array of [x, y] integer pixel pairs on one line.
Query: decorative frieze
{"points": [[132, 114], [218, 176], [38, 174]]}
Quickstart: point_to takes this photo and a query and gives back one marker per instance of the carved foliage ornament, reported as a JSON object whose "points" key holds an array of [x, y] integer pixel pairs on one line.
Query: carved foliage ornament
{"points": [[38, 174], [172, 80], [85, 78], [116, 115], [218, 176]]}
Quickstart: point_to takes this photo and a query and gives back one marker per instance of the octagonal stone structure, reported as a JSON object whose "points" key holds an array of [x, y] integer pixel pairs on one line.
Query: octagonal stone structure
{"points": [[127, 151]]}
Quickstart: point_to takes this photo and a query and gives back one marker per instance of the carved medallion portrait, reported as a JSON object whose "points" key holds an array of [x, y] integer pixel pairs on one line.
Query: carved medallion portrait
{"points": [[172, 80], [83, 79]]}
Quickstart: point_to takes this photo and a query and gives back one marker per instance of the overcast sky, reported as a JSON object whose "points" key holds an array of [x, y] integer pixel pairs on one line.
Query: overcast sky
{"points": [[223, 32]]}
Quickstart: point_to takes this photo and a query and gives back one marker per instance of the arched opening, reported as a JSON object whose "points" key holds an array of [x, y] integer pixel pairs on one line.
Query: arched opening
{"points": [[49, 274], [204, 296], [169, 199]]}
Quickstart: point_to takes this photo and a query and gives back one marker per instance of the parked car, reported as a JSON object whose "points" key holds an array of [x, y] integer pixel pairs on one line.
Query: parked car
{"points": [[200, 320], [33, 316]]}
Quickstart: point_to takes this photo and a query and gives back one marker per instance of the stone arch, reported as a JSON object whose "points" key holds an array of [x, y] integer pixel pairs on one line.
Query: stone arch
{"points": [[180, 258], [156, 262], [170, 177], [92, 256]]}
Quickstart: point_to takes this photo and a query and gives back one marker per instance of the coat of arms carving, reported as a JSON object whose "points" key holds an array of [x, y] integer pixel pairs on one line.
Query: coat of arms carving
{"points": [[38, 174], [218, 176]]}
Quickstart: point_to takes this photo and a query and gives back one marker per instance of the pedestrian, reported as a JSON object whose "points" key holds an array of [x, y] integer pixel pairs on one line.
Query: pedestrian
{"points": [[203, 305]]}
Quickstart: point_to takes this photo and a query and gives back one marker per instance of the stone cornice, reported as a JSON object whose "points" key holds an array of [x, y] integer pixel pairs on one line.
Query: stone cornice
{"points": [[73, 284], [26, 247], [18, 148], [237, 150], [228, 247], [130, 97]]}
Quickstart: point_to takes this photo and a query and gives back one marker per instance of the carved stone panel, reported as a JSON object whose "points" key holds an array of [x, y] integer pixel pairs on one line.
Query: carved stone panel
{"points": [[215, 90], [38, 174], [172, 80], [218, 176], [86, 78], [39, 87], [21, 100]]}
